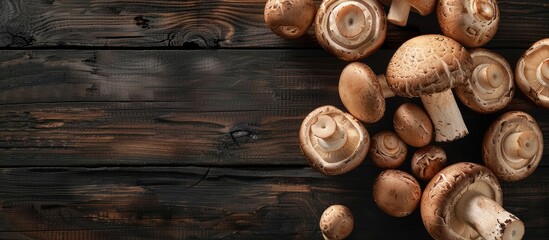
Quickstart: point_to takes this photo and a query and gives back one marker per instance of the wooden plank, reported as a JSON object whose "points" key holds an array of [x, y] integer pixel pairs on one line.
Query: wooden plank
{"points": [[215, 203], [209, 24], [199, 108]]}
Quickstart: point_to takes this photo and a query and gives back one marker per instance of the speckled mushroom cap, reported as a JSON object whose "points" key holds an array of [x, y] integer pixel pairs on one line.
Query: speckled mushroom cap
{"points": [[396, 192], [532, 73], [413, 125], [350, 30], [343, 158], [289, 18], [491, 86], [428, 64], [444, 191], [470, 22], [336, 222], [423, 7], [513, 146]]}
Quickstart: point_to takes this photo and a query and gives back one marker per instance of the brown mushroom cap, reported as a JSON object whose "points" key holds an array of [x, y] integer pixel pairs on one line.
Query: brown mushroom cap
{"points": [[532, 73], [333, 142], [396, 193], [428, 161], [491, 86], [413, 125], [387, 150], [350, 30], [513, 146], [289, 18], [336, 222], [470, 22]]}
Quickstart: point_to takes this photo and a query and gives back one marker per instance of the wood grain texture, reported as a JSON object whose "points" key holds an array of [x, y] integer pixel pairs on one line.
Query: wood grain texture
{"points": [[210, 24], [214, 203]]}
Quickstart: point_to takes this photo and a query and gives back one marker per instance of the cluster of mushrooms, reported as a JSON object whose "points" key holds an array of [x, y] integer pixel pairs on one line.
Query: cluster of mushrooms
{"points": [[460, 201]]}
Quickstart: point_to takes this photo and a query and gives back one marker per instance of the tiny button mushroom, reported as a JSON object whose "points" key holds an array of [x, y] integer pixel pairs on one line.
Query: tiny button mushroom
{"points": [[463, 201], [513, 146], [336, 222], [396, 193], [289, 18], [413, 125], [333, 142], [399, 10], [387, 150], [472, 23], [532, 73], [428, 161], [350, 30]]}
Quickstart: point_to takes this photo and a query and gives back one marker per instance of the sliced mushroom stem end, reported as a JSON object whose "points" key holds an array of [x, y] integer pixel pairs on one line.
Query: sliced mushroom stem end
{"points": [[330, 136], [445, 115], [521, 145], [544, 70], [398, 13]]}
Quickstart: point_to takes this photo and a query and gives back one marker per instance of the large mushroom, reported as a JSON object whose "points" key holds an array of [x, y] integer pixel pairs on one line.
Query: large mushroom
{"points": [[470, 22], [513, 146], [429, 66], [491, 86], [289, 18], [399, 10], [336, 222], [333, 142], [387, 150], [463, 201], [363, 93], [350, 30], [396, 193], [413, 125], [532, 73]]}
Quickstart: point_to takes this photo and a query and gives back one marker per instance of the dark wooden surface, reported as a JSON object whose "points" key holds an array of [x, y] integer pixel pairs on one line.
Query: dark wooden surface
{"points": [[119, 121]]}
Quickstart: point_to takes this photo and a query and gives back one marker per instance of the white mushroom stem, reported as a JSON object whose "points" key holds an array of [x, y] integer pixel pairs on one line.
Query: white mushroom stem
{"points": [[398, 13], [330, 136], [445, 115], [489, 76], [521, 145], [387, 92], [543, 70], [488, 218]]}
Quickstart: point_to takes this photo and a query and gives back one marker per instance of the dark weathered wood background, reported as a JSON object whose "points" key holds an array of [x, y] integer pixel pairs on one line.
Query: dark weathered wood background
{"points": [[152, 119]]}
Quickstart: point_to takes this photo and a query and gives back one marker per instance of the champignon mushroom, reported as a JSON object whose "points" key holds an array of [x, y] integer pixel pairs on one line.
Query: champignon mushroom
{"points": [[491, 86], [333, 142], [398, 13], [396, 193], [428, 161], [363, 93], [413, 125], [387, 150], [513, 146], [532, 73], [336, 222], [429, 66], [289, 18], [472, 23], [350, 30], [463, 201]]}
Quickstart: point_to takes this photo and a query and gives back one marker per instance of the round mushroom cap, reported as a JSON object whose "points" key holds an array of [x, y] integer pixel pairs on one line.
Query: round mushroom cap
{"points": [[345, 157], [289, 18], [445, 190], [413, 125], [396, 193], [423, 7], [387, 150], [513, 146], [532, 73], [428, 64], [350, 30], [491, 86], [361, 92], [428, 161], [336, 222], [472, 23]]}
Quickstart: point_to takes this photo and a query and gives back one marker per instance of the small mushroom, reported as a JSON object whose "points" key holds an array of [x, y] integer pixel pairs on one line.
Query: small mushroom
{"points": [[333, 142], [363, 93], [350, 30], [398, 13], [336, 222], [428, 161], [387, 150], [429, 66], [396, 193], [491, 86], [532, 73], [513, 146], [289, 18], [463, 201], [472, 23], [413, 125]]}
